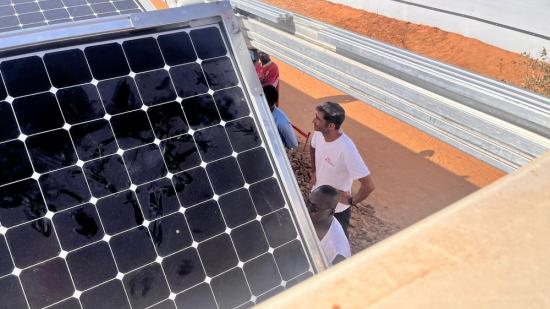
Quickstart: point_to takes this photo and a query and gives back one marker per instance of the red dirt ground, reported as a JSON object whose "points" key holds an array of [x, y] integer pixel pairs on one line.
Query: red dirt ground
{"points": [[435, 43]]}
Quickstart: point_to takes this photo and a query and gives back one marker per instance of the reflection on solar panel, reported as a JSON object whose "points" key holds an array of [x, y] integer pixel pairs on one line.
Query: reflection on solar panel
{"points": [[133, 173], [20, 14]]}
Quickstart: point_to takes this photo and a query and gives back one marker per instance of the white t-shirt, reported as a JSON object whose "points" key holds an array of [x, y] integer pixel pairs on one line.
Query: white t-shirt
{"points": [[335, 242], [337, 164]]}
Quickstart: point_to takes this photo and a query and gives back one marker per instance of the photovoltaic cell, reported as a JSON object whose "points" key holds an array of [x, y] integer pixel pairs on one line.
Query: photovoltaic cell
{"points": [[10, 288], [80, 103], [34, 278], [32, 242], [120, 211], [170, 234], [78, 226], [105, 296], [19, 84], [67, 68], [119, 95], [21, 14], [187, 259], [157, 198], [47, 156], [21, 202], [93, 139], [91, 265], [64, 188], [167, 120], [155, 87], [150, 278], [107, 60], [37, 113], [262, 273], [143, 54], [14, 161], [133, 175], [199, 296]]}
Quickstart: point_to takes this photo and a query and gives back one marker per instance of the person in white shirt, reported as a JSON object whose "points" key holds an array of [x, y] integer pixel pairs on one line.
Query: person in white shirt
{"points": [[321, 205], [335, 161]]}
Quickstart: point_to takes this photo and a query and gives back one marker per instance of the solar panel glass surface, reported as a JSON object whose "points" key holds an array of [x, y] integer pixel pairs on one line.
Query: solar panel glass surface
{"points": [[134, 175]]}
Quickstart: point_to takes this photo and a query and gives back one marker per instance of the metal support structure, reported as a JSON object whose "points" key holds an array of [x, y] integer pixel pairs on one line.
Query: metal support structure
{"points": [[500, 124]]}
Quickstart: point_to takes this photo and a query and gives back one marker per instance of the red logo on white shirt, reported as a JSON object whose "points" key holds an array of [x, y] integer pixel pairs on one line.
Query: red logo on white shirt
{"points": [[329, 162]]}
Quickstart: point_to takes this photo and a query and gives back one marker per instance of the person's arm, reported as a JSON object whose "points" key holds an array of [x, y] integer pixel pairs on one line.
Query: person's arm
{"points": [[313, 178], [367, 186], [359, 171], [287, 135], [291, 138]]}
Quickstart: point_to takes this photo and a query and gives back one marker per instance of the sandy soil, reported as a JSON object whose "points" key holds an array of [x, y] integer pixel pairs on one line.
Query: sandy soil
{"points": [[415, 174], [435, 43]]}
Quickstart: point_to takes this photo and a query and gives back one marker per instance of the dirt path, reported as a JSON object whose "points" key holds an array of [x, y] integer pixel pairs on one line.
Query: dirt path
{"points": [[435, 43], [415, 174]]}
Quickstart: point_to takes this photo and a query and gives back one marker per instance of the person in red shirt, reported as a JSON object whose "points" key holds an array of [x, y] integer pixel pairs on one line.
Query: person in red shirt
{"points": [[270, 72]]}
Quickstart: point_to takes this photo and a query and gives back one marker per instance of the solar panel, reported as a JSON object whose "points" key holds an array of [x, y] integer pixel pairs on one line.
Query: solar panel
{"points": [[136, 170], [21, 14]]}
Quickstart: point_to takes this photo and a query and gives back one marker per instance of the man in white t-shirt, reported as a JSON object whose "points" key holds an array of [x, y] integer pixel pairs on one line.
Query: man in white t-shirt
{"points": [[335, 161], [321, 205]]}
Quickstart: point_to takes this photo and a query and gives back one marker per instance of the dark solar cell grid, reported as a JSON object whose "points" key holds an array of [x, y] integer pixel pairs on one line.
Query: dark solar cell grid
{"points": [[21, 14], [136, 174]]}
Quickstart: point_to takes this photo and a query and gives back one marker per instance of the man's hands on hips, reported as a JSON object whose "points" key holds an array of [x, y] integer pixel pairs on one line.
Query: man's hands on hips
{"points": [[345, 197]]}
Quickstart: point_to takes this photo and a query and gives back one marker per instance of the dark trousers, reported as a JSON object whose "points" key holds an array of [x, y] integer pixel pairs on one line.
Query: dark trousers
{"points": [[344, 217]]}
